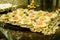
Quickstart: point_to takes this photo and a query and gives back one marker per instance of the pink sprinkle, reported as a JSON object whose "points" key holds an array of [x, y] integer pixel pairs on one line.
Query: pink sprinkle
{"points": [[30, 11], [49, 14], [39, 22], [15, 17]]}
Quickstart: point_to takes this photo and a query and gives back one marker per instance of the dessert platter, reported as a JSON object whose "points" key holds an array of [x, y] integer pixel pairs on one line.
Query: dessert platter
{"points": [[37, 21]]}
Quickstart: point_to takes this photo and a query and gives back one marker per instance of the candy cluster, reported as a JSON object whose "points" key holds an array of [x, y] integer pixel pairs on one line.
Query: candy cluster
{"points": [[36, 21]]}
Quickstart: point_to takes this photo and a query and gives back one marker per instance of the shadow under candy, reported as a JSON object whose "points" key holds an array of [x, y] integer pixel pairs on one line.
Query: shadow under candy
{"points": [[19, 33]]}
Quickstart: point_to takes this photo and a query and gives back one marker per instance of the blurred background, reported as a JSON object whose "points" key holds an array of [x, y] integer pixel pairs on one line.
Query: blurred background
{"points": [[43, 4]]}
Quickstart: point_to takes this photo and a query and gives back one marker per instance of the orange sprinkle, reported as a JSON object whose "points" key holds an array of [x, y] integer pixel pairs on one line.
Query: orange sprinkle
{"points": [[14, 12], [49, 14], [31, 16], [15, 17]]}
